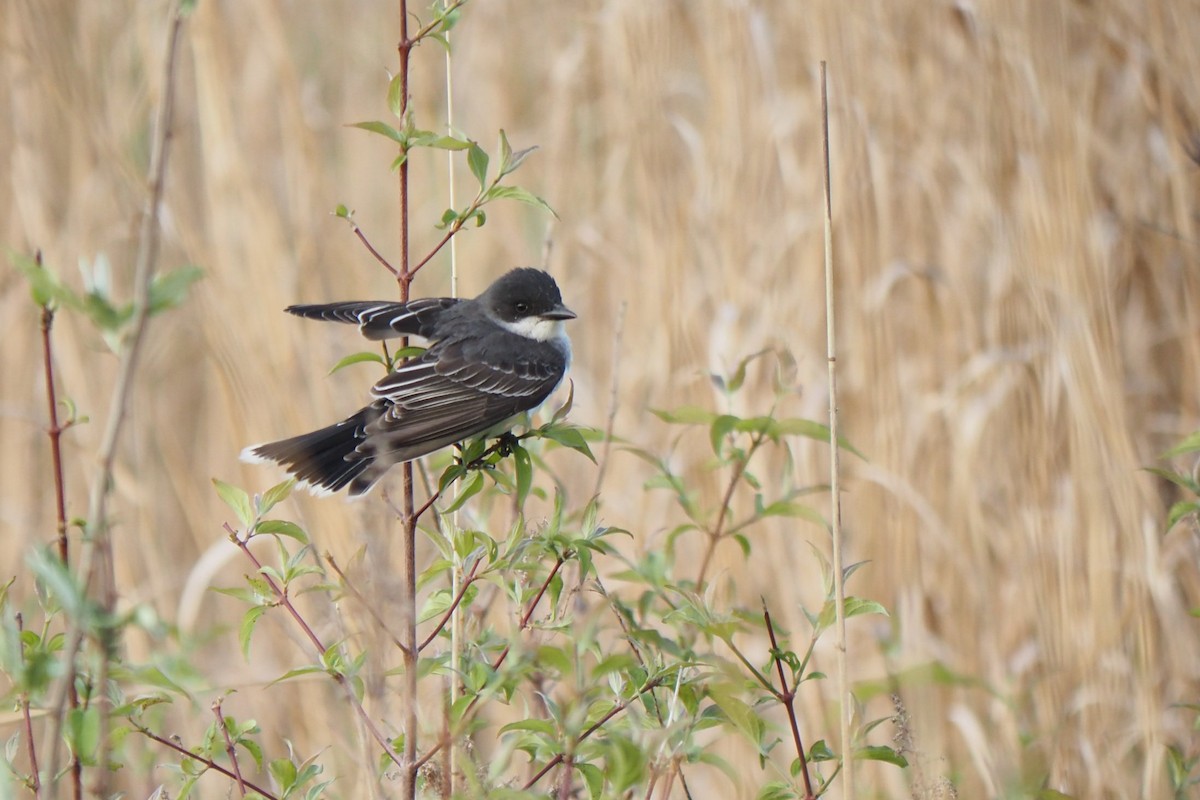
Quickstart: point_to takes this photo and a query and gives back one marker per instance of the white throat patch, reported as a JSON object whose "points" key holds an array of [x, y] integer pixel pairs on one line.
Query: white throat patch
{"points": [[543, 330]]}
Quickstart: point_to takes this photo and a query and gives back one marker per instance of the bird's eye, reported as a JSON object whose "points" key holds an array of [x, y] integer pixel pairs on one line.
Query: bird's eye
{"points": [[522, 308]]}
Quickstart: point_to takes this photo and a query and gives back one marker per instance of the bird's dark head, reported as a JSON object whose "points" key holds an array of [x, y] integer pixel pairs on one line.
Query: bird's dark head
{"points": [[527, 302]]}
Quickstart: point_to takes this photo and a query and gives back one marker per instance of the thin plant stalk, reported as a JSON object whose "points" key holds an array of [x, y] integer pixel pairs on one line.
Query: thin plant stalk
{"points": [[96, 562], [408, 783], [457, 587], [230, 749], [55, 431], [839, 587]]}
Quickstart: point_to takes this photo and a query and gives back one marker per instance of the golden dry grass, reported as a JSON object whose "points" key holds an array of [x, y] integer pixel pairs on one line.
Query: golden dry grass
{"points": [[1018, 285]]}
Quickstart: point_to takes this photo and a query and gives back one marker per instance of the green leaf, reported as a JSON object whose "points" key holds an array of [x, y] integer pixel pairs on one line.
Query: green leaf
{"points": [[343, 212], [739, 375], [1179, 479], [297, 673], [276, 495], [412, 351], [82, 732], [466, 491], [246, 629], [252, 747], [536, 725], [100, 310], [44, 284], [594, 779], [477, 160], [880, 753], [281, 527], [720, 428], [858, 606], [449, 143], [811, 430], [1181, 510], [283, 771], [237, 499], [448, 217], [523, 465], [821, 752], [562, 411], [686, 415], [776, 790], [510, 161], [520, 195], [567, 436], [383, 129], [358, 358], [395, 96], [169, 289], [1189, 445], [786, 508], [505, 152]]}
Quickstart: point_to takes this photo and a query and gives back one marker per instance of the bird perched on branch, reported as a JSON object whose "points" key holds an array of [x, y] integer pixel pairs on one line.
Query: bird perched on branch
{"points": [[489, 359]]}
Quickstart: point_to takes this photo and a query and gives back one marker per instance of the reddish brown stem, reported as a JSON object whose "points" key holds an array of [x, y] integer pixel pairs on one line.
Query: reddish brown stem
{"points": [[564, 784], [34, 777], [529, 612], [503, 654], [230, 750], [408, 789], [54, 431], [462, 590], [371, 249], [788, 698], [282, 598], [208, 763], [718, 531], [368, 606], [617, 709]]}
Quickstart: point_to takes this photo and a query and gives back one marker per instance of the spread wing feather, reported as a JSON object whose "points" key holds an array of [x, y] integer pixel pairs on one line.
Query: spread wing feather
{"points": [[379, 320]]}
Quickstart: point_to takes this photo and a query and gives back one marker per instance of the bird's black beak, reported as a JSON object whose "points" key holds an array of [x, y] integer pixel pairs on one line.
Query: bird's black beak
{"points": [[559, 312]]}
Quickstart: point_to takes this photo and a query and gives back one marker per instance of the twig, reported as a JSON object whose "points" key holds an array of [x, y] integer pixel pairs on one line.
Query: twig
{"points": [[284, 600], [499, 660], [55, 432], [207, 762], [839, 587], [229, 748], [368, 606], [362, 237], [462, 590], [718, 532], [34, 777], [617, 709], [618, 334], [408, 787], [97, 559], [787, 696], [454, 682], [627, 634]]}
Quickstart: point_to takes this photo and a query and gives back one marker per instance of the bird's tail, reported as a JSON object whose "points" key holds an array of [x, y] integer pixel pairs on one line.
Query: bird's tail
{"points": [[326, 460]]}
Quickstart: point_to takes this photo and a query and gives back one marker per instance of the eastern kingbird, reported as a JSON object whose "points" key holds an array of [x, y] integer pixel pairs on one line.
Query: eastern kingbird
{"points": [[489, 359]]}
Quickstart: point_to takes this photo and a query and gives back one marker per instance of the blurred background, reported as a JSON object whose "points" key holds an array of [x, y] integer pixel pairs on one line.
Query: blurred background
{"points": [[1017, 274]]}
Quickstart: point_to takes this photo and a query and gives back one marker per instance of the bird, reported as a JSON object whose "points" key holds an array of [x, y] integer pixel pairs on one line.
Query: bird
{"points": [[490, 358]]}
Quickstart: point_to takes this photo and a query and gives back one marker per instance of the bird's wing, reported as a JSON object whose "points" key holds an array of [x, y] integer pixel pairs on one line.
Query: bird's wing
{"points": [[444, 397], [377, 319]]}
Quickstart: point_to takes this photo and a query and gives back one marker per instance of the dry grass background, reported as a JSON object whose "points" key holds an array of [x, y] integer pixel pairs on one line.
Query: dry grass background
{"points": [[1017, 247]]}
